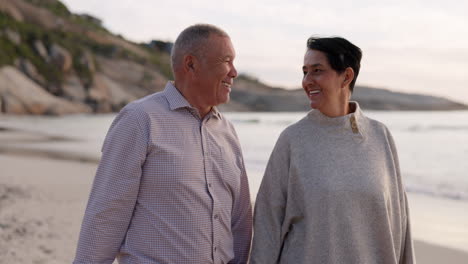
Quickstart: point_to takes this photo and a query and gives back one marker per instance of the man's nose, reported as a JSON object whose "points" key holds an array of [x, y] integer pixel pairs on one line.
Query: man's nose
{"points": [[233, 72]]}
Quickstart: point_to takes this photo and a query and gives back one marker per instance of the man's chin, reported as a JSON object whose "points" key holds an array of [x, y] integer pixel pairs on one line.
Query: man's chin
{"points": [[224, 100]]}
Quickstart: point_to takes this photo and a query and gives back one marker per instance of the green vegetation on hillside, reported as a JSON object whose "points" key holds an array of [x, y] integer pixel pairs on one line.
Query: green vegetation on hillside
{"points": [[28, 33], [161, 60], [76, 44], [56, 7], [59, 9], [7, 53]]}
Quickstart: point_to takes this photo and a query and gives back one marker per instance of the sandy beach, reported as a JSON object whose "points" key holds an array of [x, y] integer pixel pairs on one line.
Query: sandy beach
{"points": [[43, 195]]}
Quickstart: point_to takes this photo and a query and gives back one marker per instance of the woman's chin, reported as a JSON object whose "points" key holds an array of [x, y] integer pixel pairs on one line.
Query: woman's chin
{"points": [[314, 104]]}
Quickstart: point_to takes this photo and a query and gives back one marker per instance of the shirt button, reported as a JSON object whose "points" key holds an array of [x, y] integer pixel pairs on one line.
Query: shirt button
{"points": [[215, 216], [215, 249], [209, 185]]}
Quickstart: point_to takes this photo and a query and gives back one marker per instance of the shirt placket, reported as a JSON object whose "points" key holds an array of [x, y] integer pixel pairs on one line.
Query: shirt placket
{"points": [[208, 154]]}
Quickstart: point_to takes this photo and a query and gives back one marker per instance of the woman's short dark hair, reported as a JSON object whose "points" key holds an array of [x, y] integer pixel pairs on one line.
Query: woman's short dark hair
{"points": [[340, 53]]}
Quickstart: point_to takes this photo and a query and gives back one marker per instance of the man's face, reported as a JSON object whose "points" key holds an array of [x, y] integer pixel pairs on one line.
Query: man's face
{"points": [[216, 71]]}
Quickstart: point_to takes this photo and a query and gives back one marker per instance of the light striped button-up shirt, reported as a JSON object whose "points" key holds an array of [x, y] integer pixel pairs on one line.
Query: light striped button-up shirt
{"points": [[170, 188]]}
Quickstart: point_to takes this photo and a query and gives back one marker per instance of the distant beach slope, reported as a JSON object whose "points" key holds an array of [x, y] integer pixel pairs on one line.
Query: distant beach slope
{"points": [[382, 99], [249, 94]]}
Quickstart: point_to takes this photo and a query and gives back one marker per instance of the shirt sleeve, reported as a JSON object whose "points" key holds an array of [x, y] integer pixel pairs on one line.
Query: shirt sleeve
{"points": [[270, 206], [114, 191], [241, 222]]}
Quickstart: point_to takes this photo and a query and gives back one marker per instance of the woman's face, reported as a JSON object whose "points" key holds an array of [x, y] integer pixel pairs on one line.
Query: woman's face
{"points": [[325, 87]]}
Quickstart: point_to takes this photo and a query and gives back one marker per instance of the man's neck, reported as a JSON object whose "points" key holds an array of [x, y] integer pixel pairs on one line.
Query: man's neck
{"points": [[193, 99]]}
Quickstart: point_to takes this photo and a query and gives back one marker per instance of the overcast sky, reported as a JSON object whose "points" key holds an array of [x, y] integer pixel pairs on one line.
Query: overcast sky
{"points": [[408, 45]]}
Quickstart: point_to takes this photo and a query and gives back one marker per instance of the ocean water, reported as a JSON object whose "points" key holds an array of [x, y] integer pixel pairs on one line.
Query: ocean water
{"points": [[432, 146]]}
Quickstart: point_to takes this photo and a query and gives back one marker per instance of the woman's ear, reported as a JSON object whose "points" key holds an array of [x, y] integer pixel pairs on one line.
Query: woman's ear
{"points": [[348, 77]]}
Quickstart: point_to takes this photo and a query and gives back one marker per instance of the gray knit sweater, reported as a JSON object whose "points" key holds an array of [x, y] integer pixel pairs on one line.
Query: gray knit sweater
{"points": [[332, 193]]}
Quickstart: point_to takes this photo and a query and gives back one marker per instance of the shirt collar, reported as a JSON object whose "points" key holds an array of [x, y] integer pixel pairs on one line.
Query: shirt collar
{"points": [[216, 112], [174, 97], [177, 100]]}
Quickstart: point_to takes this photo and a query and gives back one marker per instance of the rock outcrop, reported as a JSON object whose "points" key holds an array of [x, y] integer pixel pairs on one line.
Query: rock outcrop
{"points": [[61, 58], [137, 79], [71, 58], [20, 95], [73, 89], [30, 70]]}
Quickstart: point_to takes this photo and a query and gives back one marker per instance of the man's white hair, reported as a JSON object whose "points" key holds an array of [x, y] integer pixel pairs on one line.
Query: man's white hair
{"points": [[192, 40]]}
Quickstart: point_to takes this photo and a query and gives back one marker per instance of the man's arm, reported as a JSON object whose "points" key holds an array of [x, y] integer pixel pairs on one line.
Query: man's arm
{"points": [[242, 222], [114, 192]]}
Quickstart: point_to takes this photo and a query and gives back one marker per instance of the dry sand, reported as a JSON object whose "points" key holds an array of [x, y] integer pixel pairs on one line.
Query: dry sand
{"points": [[42, 200], [41, 207]]}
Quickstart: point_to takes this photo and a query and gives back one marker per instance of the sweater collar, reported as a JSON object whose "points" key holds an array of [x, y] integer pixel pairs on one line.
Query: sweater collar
{"points": [[352, 122]]}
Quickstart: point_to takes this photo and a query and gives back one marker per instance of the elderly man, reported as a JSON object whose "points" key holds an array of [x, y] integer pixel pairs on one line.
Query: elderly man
{"points": [[171, 186]]}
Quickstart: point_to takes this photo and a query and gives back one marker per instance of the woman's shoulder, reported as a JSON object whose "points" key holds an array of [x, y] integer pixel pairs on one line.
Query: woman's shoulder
{"points": [[294, 130], [377, 130], [376, 125]]}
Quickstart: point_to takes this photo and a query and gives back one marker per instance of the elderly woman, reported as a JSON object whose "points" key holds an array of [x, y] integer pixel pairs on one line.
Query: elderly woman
{"points": [[332, 190]]}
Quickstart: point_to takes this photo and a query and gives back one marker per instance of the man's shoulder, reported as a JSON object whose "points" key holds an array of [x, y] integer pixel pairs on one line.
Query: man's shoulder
{"points": [[141, 109], [155, 102], [227, 123]]}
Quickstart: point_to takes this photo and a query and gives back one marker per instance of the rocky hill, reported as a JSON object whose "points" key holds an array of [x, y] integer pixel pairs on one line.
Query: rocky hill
{"points": [[55, 62]]}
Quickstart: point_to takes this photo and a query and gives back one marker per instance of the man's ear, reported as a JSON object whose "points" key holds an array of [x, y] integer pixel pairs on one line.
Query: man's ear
{"points": [[189, 62], [348, 76]]}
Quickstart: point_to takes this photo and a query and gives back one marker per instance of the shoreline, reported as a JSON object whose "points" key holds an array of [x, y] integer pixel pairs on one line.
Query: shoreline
{"points": [[44, 193]]}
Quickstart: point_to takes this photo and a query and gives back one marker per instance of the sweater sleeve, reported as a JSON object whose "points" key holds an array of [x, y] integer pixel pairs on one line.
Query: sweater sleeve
{"points": [[407, 254], [114, 191], [407, 248], [270, 206]]}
